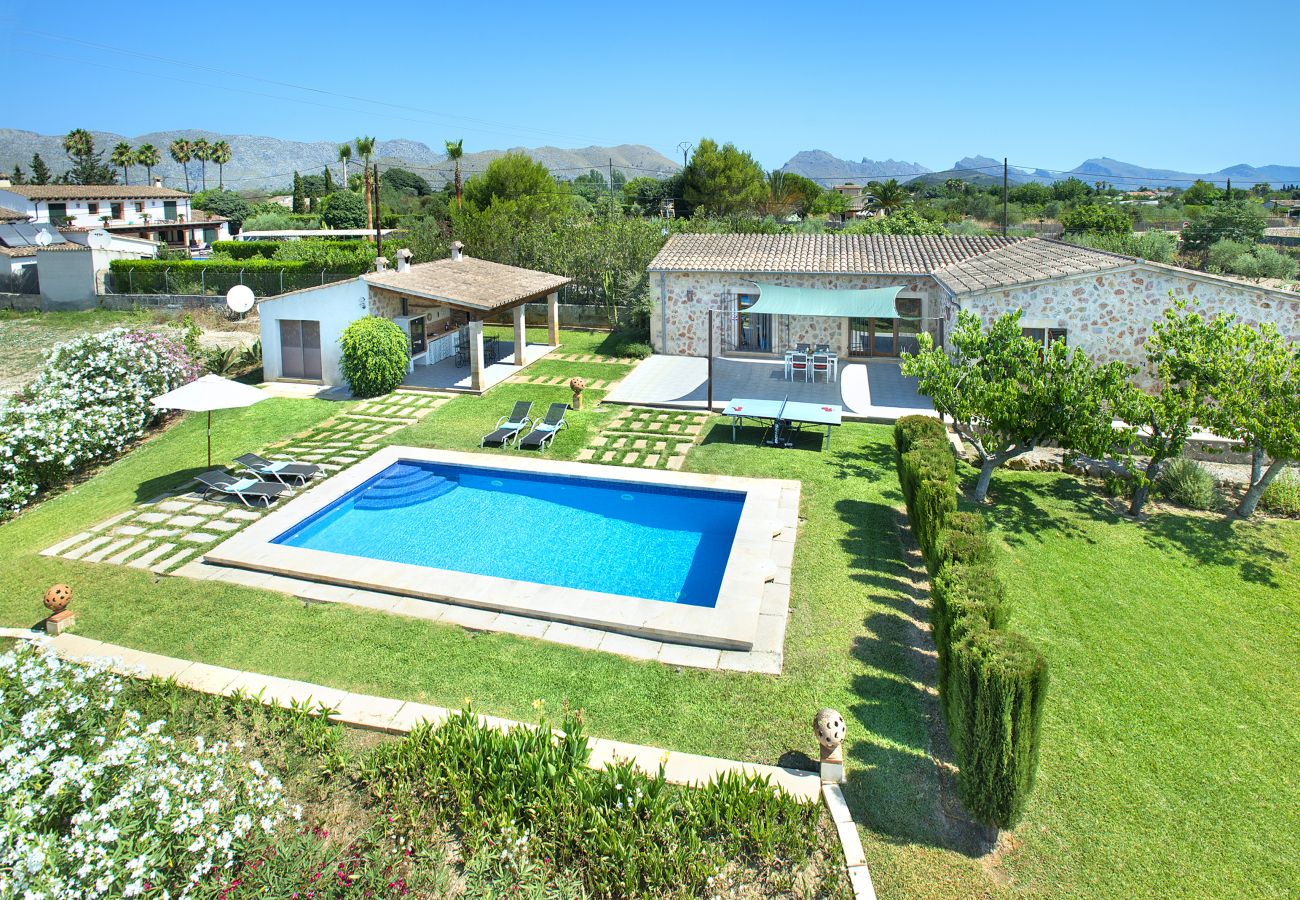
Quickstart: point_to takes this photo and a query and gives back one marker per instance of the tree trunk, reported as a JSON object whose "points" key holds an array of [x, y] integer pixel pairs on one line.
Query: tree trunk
{"points": [[986, 475], [1143, 490], [1256, 464], [370, 220], [1246, 508]]}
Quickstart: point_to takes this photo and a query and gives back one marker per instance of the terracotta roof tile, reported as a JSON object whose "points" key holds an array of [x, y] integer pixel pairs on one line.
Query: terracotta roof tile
{"points": [[11, 215], [471, 282], [92, 191], [1025, 262], [820, 253]]}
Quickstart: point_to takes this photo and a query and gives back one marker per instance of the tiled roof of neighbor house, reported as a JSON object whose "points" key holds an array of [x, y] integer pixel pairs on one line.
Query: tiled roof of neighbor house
{"points": [[11, 215], [1024, 262], [820, 253], [17, 251], [93, 191], [470, 282]]}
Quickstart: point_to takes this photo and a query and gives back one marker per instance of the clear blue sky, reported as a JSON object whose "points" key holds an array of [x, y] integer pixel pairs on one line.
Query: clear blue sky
{"points": [[1189, 86]]}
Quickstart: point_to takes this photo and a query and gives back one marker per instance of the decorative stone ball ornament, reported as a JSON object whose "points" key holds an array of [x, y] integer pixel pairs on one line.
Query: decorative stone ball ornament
{"points": [[829, 727], [58, 597], [577, 385]]}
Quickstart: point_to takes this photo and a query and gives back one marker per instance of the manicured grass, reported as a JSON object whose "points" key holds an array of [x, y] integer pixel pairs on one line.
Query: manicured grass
{"points": [[1173, 716], [24, 335], [1172, 645], [549, 368]]}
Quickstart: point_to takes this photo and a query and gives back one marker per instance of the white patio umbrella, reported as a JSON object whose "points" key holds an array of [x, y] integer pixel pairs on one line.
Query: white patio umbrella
{"points": [[208, 393]]}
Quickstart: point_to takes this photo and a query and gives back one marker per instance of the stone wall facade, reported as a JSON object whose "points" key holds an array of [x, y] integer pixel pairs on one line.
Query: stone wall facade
{"points": [[678, 321], [1109, 314]]}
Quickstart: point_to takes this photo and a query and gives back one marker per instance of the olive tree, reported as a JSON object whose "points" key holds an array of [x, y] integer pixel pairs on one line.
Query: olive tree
{"points": [[1006, 395]]}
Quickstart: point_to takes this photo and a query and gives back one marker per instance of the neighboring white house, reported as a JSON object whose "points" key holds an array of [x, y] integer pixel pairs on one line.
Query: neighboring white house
{"points": [[72, 273], [152, 211]]}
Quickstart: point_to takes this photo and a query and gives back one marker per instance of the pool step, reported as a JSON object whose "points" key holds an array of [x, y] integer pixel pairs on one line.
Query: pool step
{"points": [[405, 488]]}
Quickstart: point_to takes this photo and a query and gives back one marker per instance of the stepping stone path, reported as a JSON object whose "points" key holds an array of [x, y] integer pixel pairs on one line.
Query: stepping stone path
{"points": [[646, 438], [167, 531]]}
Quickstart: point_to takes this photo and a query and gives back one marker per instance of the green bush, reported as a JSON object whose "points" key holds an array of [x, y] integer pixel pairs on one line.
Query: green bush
{"points": [[909, 429], [246, 249], [963, 592], [959, 545], [1283, 494], [997, 684], [621, 832], [375, 356], [1186, 482], [636, 350]]}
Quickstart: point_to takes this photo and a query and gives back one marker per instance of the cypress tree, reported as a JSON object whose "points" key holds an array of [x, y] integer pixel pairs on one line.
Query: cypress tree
{"points": [[299, 198], [40, 171], [17, 177], [329, 182]]}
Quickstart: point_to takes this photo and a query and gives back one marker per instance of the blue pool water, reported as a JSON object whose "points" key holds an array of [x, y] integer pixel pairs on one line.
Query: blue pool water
{"points": [[659, 543]]}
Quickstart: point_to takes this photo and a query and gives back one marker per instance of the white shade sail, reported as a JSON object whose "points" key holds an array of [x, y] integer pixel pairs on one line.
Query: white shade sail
{"points": [[797, 301]]}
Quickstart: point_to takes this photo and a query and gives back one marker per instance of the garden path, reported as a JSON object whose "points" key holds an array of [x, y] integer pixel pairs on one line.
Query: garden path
{"points": [[166, 531], [646, 438]]}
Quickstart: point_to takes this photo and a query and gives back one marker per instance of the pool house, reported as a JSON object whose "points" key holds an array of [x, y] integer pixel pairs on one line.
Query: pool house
{"points": [[442, 307]]}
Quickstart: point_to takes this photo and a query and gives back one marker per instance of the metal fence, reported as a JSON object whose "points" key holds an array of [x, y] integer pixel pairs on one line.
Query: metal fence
{"points": [[21, 281], [198, 282]]}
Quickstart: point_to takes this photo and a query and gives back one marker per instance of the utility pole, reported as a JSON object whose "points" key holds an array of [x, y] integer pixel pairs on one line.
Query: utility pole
{"points": [[686, 147], [611, 188], [1004, 196], [379, 238]]}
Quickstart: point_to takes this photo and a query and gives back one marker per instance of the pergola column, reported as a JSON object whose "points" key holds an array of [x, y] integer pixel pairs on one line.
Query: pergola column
{"points": [[521, 337], [553, 318], [474, 334]]}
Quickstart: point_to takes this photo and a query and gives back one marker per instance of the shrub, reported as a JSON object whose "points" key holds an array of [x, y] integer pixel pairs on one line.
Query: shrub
{"points": [[963, 593], [1185, 481], [344, 209], [1283, 494], [89, 401], [246, 249], [997, 684], [1094, 218], [375, 356], [98, 803], [619, 831], [636, 350], [909, 429], [960, 545]]}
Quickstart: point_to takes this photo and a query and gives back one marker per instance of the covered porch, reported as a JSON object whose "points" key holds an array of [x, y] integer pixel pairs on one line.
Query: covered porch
{"points": [[874, 390], [442, 306]]}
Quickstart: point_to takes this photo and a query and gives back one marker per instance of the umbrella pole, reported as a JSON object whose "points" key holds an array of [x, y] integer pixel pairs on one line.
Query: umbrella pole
{"points": [[209, 439]]}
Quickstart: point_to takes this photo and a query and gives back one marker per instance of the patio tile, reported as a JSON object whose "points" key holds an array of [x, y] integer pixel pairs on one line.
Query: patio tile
{"points": [[119, 558], [651, 461], [99, 554], [153, 518], [145, 561], [64, 545], [685, 655], [742, 661], [222, 525], [186, 521], [573, 635], [412, 714], [284, 692], [173, 506], [776, 599], [199, 537], [521, 626], [206, 678], [469, 617], [585, 454], [128, 530], [172, 560], [247, 515], [113, 520]]}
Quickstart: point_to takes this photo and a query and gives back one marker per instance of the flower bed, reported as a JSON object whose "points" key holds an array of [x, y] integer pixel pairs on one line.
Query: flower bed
{"points": [[90, 400]]}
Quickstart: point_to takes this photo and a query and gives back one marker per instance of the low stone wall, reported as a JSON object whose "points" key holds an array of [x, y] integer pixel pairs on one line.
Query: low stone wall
{"points": [[572, 315], [123, 302], [20, 302]]}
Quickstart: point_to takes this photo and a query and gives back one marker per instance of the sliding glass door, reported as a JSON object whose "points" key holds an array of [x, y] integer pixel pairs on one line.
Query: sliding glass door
{"points": [[300, 349]]}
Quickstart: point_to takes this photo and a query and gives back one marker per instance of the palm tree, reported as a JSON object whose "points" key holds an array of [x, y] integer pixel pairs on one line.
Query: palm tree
{"points": [[345, 154], [182, 152], [147, 155], [366, 147], [781, 197], [955, 187], [123, 156], [221, 155], [455, 150], [78, 142], [202, 151], [889, 195]]}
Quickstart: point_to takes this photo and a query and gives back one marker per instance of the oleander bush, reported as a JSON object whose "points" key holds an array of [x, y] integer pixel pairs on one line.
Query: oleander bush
{"points": [[1187, 482], [97, 802], [89, 401], [992, 682], [375, 356]]}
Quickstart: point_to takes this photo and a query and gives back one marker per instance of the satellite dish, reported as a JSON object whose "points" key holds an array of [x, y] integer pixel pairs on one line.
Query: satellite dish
{"points": [[240, 298], [43, 238], [99, 239]]}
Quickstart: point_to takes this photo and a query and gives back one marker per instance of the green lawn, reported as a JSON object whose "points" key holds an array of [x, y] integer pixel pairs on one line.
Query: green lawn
{"points": [[1161, 678], [24, 335]]}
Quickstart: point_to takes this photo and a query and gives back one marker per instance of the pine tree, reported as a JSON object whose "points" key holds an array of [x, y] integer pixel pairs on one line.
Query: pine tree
{"points": [[40, 171], [329, 182], [299, 198], [17, 177]]}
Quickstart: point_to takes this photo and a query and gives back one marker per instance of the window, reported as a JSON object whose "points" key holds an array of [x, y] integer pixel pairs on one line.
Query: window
{"points": [[116, 210], [58, 212], [139, 206], [92, 209], [1044, 337]]}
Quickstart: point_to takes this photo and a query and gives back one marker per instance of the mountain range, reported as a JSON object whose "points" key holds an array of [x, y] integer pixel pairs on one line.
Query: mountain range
{"points": [[268, 163], [827, 169]]}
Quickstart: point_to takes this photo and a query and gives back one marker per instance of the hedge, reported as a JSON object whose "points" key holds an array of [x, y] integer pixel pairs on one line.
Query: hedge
{"points": [[992, 682], [246, 249]]}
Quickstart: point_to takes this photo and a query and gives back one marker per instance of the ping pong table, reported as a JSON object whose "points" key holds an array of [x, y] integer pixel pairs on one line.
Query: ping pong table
{"points": [[783, 416]]}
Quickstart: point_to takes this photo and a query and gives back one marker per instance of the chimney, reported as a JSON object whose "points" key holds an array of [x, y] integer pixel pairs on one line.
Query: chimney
{"points": [[381, 264], [403, 260], [157, 181], [456, 247]]}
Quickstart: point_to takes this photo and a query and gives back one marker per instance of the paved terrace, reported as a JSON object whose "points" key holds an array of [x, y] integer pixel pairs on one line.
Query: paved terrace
{"points": [[445, 375], [873, 389]]}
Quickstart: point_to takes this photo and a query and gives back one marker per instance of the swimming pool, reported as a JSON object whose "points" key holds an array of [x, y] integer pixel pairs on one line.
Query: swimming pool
{"points": [[637, 540], [533, 546]]}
